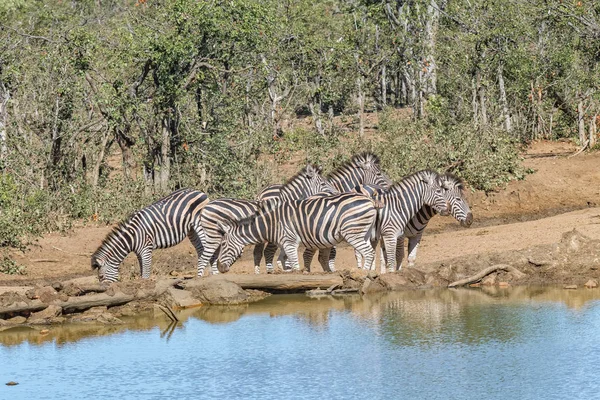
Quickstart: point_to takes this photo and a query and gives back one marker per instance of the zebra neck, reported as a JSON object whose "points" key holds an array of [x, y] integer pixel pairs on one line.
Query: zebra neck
{"points": [[410, 195], [119, 245], [347, 180]]}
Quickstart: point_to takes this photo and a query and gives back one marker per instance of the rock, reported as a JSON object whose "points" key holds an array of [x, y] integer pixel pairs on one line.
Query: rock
{"points": [[447, 272], [58, 286], [178, 299], [109, 319], [570, 287], [434, 280], [590, 284], [46, 294], [96, 310], [10, 298], [219, 291], [12, 383], [44, 331], [365, 286], [43, 317], [17, 320], [503, 284], [393, 281]]}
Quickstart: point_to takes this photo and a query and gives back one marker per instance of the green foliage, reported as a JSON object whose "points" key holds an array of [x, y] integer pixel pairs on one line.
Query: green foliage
{"points": [[10, 267], [486, 160]]}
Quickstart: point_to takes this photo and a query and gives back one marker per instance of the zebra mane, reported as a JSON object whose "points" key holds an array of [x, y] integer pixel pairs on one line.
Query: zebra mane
{"points": [[264, 206], [357, 161], [304, 172], [456, 181], [425, 173], [113, 235]]}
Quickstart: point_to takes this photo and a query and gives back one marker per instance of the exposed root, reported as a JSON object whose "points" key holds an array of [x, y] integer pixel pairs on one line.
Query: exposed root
{"points": [[486, 271]]}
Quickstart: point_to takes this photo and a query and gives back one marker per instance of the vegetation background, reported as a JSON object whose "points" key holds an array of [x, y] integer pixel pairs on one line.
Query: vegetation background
{"points": [[219, 95]]}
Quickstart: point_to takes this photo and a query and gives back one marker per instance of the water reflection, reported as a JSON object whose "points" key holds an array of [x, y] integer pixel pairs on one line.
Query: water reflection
{"points": [[408, 318]]}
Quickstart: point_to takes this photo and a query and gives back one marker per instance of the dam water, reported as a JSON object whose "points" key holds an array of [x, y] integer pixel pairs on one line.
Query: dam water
{"points": [[521, 343]]}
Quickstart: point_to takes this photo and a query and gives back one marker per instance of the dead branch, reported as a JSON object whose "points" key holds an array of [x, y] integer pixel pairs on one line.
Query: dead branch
{"points": [[486, 271], [585, 145]]}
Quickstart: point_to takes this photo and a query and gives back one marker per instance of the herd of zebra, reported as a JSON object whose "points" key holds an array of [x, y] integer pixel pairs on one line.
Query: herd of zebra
{"points": [[356, 203]]}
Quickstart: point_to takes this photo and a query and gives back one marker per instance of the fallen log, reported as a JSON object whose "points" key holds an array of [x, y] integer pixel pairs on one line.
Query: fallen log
{"points": [[279, 282], [82, 303], [485, 272]]}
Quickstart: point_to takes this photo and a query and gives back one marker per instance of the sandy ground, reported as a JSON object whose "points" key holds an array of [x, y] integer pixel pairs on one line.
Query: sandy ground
{"points": [[562, 194]]}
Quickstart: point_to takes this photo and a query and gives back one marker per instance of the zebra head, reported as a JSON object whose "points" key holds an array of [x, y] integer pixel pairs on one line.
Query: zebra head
{"points": [[434, 194], [108, 271], [112, 251], [231, 246], [370, 165], [458, 206]]}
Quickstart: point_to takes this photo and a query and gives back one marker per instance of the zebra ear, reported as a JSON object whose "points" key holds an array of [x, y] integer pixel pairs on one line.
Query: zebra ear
{"points": [[311, 171]]}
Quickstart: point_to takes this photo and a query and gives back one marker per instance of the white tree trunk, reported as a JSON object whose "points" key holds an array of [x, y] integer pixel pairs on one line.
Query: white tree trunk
{"points": [[581, 122], [503, 101]]}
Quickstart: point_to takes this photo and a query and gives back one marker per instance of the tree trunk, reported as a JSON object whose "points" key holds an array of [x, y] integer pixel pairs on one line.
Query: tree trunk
{"points": [[99, 160], [592, 131], [361, 105], [481, 98], [503, 101], [383, 85], [431, 27], [4, 97], [165, 161], [581, 122]]}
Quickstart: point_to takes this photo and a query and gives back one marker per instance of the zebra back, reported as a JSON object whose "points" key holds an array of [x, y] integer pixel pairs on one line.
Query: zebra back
{"points": [[316, 222], [361, 169], [270, 192]]}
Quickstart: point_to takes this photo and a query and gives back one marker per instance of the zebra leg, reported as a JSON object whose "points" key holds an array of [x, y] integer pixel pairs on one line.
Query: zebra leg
{"points": [[145, 260], [308, 256], [331, 261], [270, 251], [359, 260], [283, 261], [291, 251], [400, 253], [382, 256], [390, 248], [413, 246], [325, 259], [208, 256], [195, 236], [363, 248], [258, 254], [213, 263]]}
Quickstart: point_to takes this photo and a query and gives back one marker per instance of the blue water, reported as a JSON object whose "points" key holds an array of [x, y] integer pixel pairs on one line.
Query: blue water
{"points": [[432, 345]]}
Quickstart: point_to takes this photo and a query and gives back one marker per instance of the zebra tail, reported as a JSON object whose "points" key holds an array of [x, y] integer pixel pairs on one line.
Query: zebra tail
{"points": [[373, 232]]}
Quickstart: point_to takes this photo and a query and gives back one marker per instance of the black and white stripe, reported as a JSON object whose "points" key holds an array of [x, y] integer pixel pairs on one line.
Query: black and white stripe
{"points": [[402, 202], [162, 224], [306, 183], [361, 173], [317, 223], [458, 207]]}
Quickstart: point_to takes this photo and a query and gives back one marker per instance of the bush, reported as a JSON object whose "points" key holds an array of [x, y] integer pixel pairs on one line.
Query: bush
{"points": [[486, 159]]}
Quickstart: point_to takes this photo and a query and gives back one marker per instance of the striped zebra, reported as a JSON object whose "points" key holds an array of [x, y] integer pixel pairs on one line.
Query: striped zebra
{"points": [[305, 183], [402, 202], [458, 207], [363, 174], [318, 222], [162, 224]]}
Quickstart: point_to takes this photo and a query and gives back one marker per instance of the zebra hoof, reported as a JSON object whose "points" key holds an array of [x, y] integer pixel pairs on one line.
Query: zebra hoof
{"points": [[256, 270]]}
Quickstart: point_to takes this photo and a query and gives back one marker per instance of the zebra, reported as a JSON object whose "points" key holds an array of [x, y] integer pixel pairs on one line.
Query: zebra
{"points": [[458, 207], [162, 224], [305, 183], [319, 222], [402, 202], [362, 169]]}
